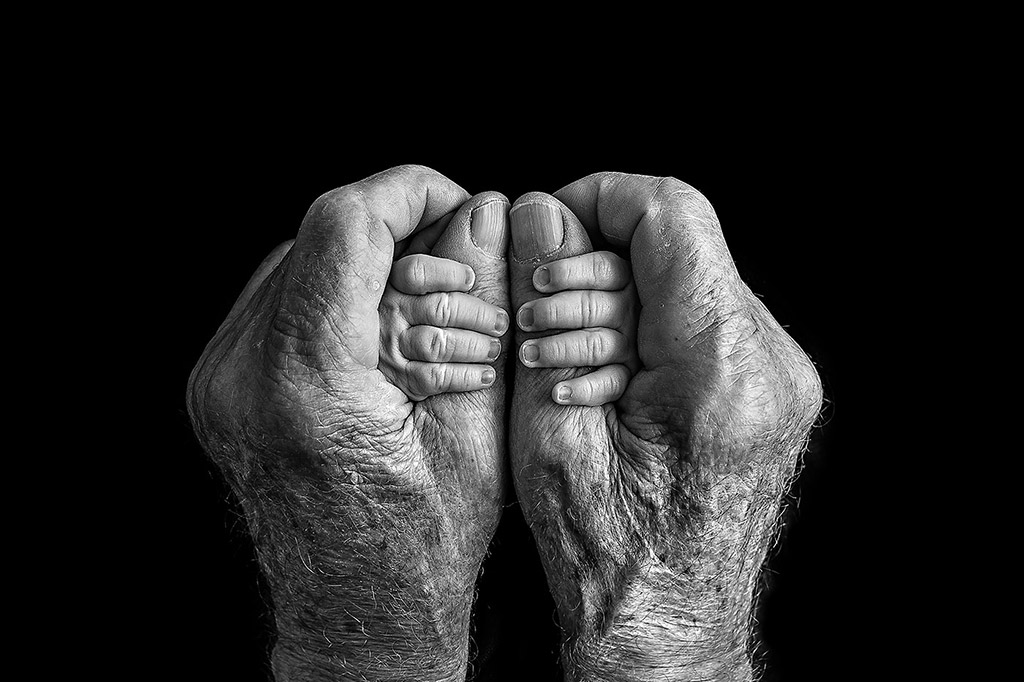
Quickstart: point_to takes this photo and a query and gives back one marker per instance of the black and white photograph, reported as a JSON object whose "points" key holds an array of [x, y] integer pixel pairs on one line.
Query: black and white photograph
{"points": [[535, 397]]}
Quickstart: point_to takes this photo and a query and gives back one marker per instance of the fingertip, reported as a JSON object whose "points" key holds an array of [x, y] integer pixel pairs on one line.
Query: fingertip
{"points": [[529, 353], [525, 317], [489, 223], [541, 278], [536, 225], [562, 394], [487, 197], [501, 322], [493, 350], [469, 277], [604, 385]]}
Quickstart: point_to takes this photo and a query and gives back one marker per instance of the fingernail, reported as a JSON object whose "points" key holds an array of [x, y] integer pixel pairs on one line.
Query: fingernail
{"points": [[470, 277], [530, 352], [487, 227], [501, 324], [541, 276], [564, 393], [525, 317], [495, 350], [536, 230], [487, 377]]}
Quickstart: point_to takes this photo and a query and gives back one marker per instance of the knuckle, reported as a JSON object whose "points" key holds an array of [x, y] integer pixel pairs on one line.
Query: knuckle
{"points": [[482, 314], [439, 349], [591, 308], [437, 376], [596, 345], [547, 313], [405, 168], [476, 346], [555, 348], [669, 186], [584, 390], [676, 194], [602, 267], [612, 381], [443, 309], [417, 271], [413, 170], [335, 197], [463, 376], [339, 203]]}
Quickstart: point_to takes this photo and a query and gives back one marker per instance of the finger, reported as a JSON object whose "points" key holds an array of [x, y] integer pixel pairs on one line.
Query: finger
{"points": [[422, 274], [543, 230], [603, 385], [431, 378], [455, 309], [598, 270], [342, 255], [673, 230], [580, 348], [478, 237], [434, 344], [575, 310]]}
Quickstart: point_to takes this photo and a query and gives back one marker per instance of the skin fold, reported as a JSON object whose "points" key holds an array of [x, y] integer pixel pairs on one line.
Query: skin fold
{"points": [[351, 405]]}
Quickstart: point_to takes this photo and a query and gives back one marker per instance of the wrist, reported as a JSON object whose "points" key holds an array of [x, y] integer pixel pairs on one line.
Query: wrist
{"points": [[679, 610], [378, 619], [662, 628], [358, 588], [390, 651]]}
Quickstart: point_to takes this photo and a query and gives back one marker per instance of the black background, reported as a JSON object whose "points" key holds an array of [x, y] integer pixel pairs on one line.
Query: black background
{"points": [[221, 186]]}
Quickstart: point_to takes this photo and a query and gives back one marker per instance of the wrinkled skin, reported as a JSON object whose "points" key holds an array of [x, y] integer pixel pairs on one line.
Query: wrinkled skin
{"points": [[372, 501], [371, 512], [653, 515]]}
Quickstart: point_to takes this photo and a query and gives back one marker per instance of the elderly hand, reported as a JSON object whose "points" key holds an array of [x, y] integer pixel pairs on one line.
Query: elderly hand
{"points": [[652, 515], [354, 400]]}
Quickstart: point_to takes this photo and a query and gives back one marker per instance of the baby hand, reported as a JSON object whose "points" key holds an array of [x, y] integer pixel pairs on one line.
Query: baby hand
{"points": [[435, 338], [594, 296]]}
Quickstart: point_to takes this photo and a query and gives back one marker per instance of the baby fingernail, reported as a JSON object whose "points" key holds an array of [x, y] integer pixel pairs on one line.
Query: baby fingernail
{"points": [[536, 230], [487, 227], [494, 350], [470, 277], [487, 377], [501, 324], [564, 393], [541, 276], [530, 352], [525, 318]]}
